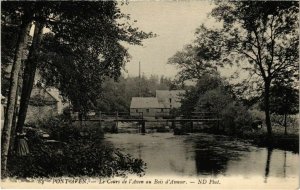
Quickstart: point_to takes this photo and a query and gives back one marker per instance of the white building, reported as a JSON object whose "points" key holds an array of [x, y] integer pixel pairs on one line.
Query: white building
{"points": [[158, 106], [169, 98]]}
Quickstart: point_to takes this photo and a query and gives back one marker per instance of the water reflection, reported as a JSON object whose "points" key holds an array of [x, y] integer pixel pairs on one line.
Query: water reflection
{"points": [[212, 154], [284, 165], [209, 161], [267, 168]]}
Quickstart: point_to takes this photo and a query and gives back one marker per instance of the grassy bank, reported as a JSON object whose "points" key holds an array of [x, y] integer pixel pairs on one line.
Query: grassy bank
{"points": [[278, 140]]}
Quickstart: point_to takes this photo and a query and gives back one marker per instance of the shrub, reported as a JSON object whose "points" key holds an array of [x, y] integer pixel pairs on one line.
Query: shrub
{"points": [[235, 118]]}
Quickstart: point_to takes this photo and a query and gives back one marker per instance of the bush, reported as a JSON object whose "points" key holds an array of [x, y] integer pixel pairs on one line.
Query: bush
{"points": [[235, 118], [46, 124], [69, 133]]}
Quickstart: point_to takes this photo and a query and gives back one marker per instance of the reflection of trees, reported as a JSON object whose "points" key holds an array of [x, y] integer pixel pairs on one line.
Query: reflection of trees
{"points": [[284, 165], [140, 150], [211, 161], [177, 168], [267, 168]]}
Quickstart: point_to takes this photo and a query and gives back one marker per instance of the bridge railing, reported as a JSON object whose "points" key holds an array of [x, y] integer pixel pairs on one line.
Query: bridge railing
{"points": [[119, 115], [204, 115]]}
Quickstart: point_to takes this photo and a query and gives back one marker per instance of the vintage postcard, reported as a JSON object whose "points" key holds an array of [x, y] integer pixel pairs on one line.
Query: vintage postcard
{"points": [[168, 94]]}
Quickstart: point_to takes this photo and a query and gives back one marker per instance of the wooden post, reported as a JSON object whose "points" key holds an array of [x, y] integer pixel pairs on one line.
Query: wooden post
{"points": [[218, 124], [143, 130], [139, 126], [173, 124], [100, 118], [117, 114]]}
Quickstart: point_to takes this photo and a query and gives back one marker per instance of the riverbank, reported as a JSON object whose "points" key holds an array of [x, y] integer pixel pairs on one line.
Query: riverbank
{"points": [[289, 142]]}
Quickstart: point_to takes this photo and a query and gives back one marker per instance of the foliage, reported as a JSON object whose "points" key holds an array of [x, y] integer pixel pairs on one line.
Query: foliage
{"points": [[8, 44], [192, 94], [284, 99], [214, 94], [261, 33], [213, 100], [235, 118], [82, 47], [86, 37], [291, 121], [199, 58], [74, 159]]}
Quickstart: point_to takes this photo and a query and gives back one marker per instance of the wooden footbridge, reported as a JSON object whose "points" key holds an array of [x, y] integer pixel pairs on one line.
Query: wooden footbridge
{"points": [[204, 117]]}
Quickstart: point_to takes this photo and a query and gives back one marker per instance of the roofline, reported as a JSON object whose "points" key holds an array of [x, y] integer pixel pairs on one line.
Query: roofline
{"points": [[145, 97], [48, 93], [149, 108]]}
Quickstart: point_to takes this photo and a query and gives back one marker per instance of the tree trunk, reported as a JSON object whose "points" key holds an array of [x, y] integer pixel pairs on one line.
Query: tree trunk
{"points": [[267, 108], [14, 123], [29, 74], [285, 124], [5, 137], [285, 114]]}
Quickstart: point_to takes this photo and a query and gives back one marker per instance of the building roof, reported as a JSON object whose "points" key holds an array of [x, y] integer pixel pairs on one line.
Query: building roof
{"points": [[145, 102], [40, 96]]}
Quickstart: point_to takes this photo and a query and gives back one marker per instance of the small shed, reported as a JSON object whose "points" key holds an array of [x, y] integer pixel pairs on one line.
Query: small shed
{"points": [[42, 104]]}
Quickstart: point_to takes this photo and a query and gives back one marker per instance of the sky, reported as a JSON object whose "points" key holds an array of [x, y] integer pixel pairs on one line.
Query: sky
{"points": [[174, 22]]}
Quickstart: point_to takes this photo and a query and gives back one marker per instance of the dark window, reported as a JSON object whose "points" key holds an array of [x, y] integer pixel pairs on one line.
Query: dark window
{"points": [[147, 110], [170, 100], [162, 110], [136, 110]]}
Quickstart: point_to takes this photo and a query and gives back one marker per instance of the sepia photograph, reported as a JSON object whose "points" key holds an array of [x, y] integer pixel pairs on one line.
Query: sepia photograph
{"points": [[150, 94]]}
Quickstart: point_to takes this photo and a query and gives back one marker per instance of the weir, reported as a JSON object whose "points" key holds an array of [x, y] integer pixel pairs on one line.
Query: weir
{"points": [[116, 117]]}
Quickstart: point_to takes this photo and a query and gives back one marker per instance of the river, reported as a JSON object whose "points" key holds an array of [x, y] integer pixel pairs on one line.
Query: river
{"points": [[206, 155]]}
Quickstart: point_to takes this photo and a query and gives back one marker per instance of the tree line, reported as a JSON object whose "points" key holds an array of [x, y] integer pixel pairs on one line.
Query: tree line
{"points": [[116, 95]]}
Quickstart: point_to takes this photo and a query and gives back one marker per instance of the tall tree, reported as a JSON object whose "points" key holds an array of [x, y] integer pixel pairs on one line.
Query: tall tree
{"points": [[263, 34], [29, 74], [26, 18]]}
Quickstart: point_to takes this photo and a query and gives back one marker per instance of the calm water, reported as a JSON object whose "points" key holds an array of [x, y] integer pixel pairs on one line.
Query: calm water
{"points": [[206, 155]]}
